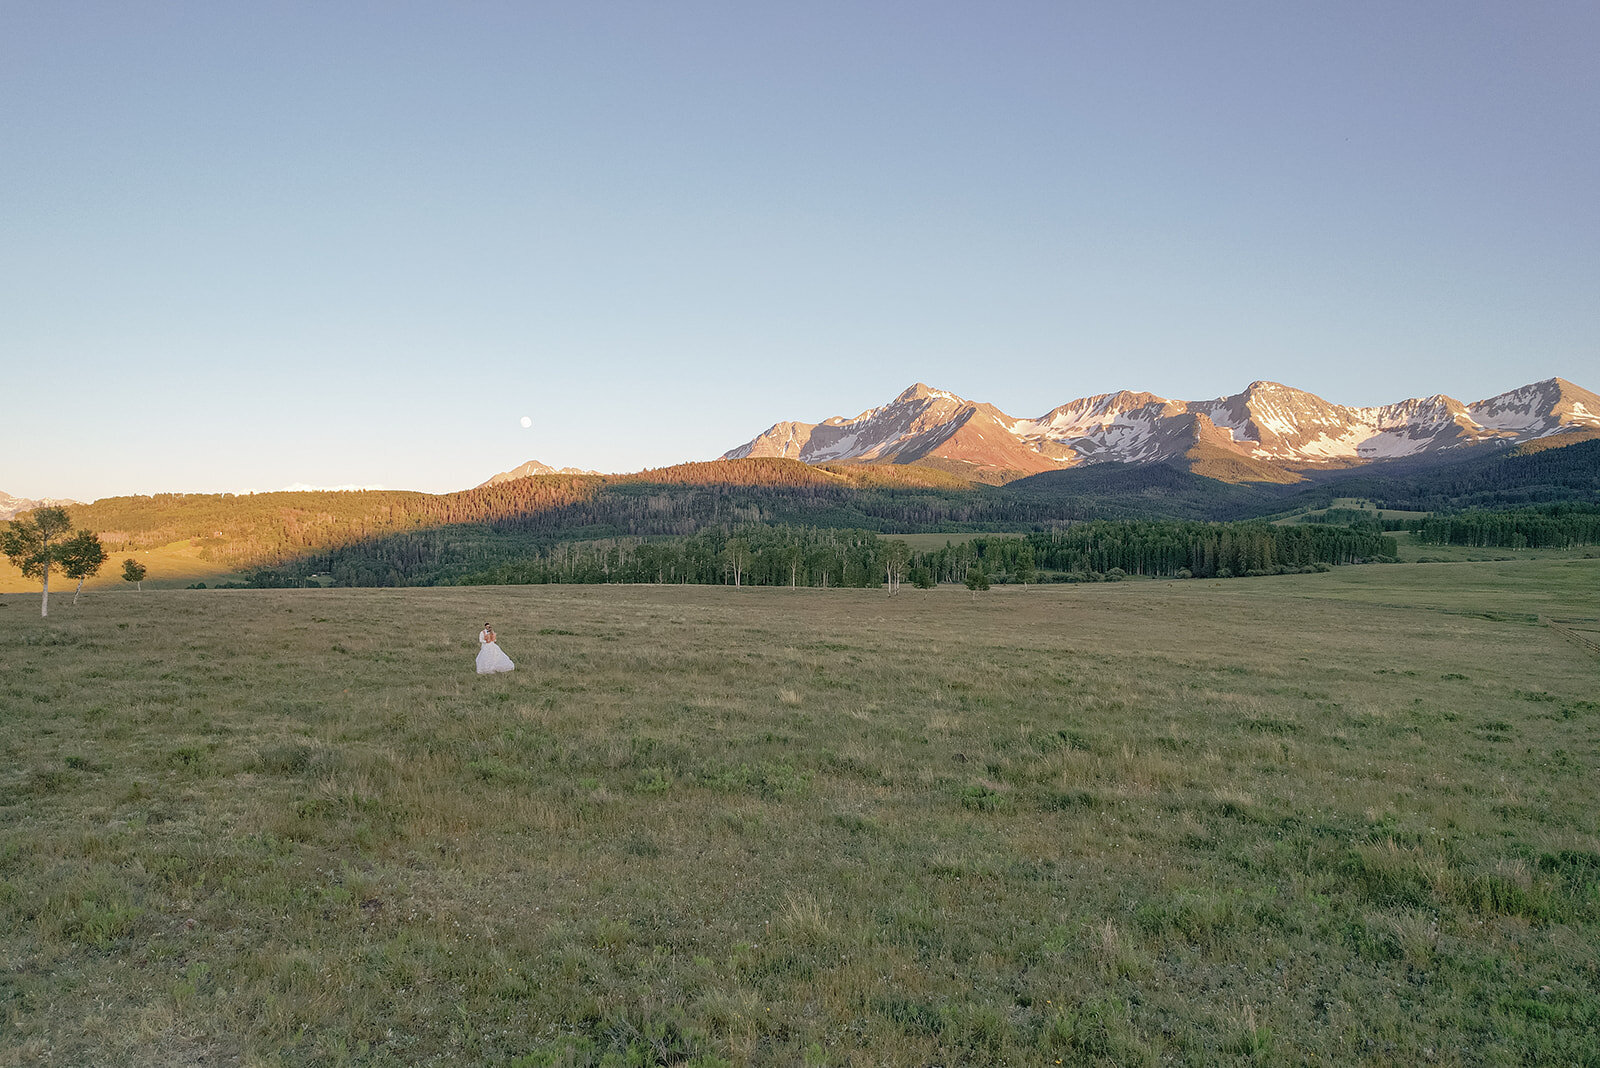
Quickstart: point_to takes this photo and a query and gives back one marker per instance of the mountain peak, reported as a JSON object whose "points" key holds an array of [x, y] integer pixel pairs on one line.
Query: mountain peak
{"points": [[1263, 387], [530, 469], [919, 391], [1538, 410], [1569, 390]]}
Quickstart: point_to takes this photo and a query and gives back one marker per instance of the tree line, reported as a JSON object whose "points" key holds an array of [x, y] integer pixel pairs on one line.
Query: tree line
{"points": [[1166, 549], [778, 555], [747, 556], [1556, 526]]}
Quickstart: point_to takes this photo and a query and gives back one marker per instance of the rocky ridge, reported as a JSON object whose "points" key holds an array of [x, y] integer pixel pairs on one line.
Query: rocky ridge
{"points": [[529, 469], [1275, 427]]}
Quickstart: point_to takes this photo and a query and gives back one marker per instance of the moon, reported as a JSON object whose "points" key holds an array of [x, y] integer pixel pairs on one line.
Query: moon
{"points": [[526, 422]]}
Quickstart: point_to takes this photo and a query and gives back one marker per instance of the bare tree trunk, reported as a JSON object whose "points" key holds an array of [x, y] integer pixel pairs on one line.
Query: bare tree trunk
{"points": [[76, 592], [44, 603]]}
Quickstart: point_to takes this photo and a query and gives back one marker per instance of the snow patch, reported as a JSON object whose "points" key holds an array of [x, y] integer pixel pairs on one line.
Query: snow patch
{"points": [[838, 450], [1387, 445], [1514, 420]]}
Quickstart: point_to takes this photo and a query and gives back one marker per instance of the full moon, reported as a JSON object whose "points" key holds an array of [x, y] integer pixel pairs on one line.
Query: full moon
{"points": [[526, 422]]}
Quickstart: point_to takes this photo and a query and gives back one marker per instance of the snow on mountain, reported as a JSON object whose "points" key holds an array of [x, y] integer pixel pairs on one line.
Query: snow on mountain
{"points": [[918, 419], [11, 507], [529, 469], [1539, 409], [1267, 422]]}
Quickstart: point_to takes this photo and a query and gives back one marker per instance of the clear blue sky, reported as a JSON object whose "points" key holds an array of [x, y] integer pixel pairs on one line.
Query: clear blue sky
{"points": [[246, 245]]}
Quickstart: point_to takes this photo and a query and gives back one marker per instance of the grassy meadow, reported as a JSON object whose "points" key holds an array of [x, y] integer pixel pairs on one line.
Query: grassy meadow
{"points": [[173, 566], [1413, 551], [1346, 818]]}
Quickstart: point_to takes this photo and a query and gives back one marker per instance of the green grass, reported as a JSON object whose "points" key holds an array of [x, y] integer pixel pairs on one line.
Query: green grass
{"points": [[1336, 818], [1364, 504], [1413, 551], [1347, 504]]}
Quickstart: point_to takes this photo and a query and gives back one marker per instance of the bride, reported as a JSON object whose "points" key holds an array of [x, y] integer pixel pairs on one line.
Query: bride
{"points": [[490, 656]]}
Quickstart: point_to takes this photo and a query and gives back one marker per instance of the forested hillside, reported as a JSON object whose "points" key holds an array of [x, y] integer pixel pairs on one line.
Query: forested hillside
{"points": [[394, 538], [403, 538], [1471, 478], [271, 527], [1534, 473], [1147, 491]]}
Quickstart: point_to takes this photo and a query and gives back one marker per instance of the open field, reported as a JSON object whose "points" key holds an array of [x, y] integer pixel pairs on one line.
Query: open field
{"points": [[1350, 817], [1413, 551], [169, 567], [1362, 504], [1347, 504]]}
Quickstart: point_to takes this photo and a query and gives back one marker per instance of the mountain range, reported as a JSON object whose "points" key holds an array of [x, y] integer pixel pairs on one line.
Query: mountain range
{"points": [[10, 506], [1267, 433]]}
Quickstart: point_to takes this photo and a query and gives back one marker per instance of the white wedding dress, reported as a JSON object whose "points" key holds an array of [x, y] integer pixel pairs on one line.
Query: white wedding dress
{"points": [[491, 658]]}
